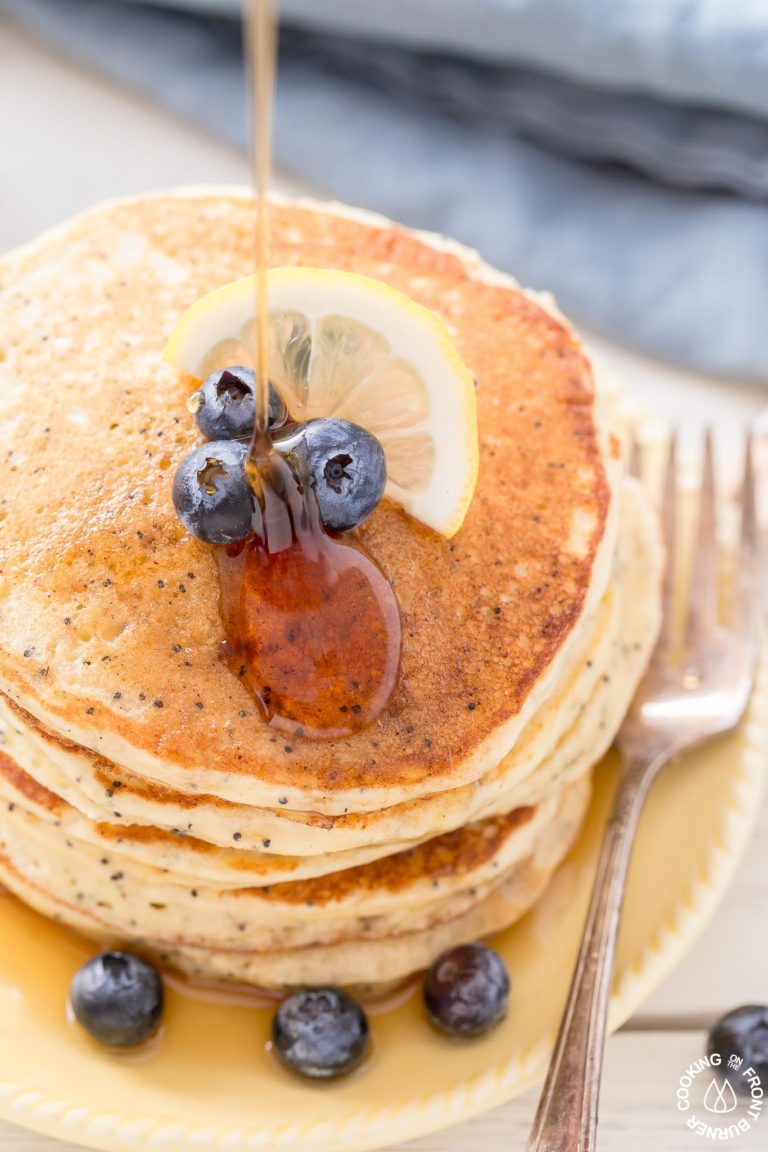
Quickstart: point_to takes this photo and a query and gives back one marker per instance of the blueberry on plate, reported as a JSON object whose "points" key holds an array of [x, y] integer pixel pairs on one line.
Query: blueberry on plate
{"points": [[211, 493], [224, 405], [743, 1033], [466, 991], [320, 1033], [118, 998], [345, 464]]}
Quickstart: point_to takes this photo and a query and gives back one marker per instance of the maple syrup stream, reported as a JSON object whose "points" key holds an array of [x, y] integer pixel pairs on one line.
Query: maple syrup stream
{"points": [[312, 624], [262, 47]]}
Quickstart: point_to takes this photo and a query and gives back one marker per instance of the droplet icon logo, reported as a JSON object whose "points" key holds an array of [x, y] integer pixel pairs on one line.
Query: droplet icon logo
{"points": [[720, 1098]]}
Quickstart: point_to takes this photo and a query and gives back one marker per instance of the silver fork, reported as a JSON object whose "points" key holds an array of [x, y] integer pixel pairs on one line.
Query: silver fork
{"points": [[692, 691]]}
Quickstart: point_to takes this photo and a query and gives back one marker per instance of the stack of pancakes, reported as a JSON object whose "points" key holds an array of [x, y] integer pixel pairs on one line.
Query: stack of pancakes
{"points": [[144, 798]]}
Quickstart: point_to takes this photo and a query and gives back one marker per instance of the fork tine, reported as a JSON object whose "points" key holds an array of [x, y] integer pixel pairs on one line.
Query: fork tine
{"points": [[669, 516], [635, 465], [748, 503], [702, 592], [746, 598]]}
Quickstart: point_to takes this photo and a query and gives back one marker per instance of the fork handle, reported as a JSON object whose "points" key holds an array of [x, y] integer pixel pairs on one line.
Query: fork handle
{"points": [[566, 1118]]}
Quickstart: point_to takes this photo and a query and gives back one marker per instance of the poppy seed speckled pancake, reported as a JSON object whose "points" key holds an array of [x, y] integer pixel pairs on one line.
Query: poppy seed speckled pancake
{"points": [[109, 618], [212, 840], [370, 924]]}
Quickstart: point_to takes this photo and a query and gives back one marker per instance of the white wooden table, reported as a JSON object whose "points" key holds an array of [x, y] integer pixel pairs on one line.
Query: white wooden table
{"points": [[67, 140]]}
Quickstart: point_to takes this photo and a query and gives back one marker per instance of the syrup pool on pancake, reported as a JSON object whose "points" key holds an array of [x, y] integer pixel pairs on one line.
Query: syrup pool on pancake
{"points": [[311, 625]]}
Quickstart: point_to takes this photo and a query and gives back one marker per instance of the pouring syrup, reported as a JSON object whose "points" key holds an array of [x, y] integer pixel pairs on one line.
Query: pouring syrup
{"points": [[312, 624]]}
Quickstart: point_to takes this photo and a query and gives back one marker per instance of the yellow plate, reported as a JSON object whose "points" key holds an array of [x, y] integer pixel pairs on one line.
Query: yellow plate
{"points": [[211, 1083]]}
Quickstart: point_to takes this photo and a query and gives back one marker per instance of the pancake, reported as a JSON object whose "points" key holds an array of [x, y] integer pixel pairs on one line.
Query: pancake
{"points": [[560, 745], [109, 621], [90, 782], [37, 817], [440, 886]]}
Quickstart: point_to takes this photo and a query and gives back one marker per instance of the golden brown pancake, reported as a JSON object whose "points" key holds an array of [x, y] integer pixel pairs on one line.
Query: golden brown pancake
{"points": [[109, 621], [395, 905], [569, 731], [143, 797]]}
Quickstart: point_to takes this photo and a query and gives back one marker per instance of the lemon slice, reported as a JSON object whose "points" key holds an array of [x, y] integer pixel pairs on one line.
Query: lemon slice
{"points": [[353, 348]]}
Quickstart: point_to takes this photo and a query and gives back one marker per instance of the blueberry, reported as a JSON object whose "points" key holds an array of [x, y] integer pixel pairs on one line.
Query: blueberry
{"points": [[345, 464], [321, 1033], [118, 998], [743, 1033], [466, 991], [224, 406], [211, 492]]}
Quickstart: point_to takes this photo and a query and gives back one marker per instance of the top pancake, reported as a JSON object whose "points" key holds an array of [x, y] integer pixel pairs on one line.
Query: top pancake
{"points": [[109, 622]]}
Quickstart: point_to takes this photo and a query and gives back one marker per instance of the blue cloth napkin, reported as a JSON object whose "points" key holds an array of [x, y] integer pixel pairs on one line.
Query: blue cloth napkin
{"points": [[614, 151]]}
